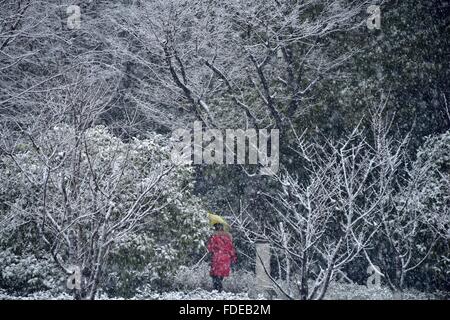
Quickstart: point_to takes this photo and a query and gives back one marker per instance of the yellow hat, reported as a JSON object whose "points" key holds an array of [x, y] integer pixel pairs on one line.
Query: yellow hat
{"points": [[214, 219]]}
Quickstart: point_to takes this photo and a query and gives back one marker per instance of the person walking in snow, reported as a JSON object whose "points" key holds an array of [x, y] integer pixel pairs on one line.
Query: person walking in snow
{"points": [[220, 245]]}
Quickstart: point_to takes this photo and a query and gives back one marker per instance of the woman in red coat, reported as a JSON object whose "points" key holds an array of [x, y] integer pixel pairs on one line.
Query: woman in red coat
{"points": [[223, 254]]}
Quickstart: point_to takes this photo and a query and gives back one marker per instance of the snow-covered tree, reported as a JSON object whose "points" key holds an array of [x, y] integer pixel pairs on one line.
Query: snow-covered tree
{"points": [[324, 219], [416, 226], [89, 194], [256, 60]]}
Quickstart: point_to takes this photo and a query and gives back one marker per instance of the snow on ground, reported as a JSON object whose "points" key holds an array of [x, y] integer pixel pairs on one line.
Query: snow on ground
{"points": [[346, 291], [336, 292], [199, 294]]}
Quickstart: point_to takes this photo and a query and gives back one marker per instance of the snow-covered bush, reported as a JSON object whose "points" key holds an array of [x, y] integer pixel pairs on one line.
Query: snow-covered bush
{"points": [[101, 203], [191, 278], [411, 245], [21, 275], [433, 200]]}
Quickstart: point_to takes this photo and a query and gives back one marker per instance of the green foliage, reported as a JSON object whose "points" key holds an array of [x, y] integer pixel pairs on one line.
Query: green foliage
{"points": [[22, 275]]}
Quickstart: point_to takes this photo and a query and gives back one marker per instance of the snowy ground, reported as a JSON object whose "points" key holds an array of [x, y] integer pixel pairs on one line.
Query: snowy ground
{"points": [[336, 292], [199, 294], [340, 291]]}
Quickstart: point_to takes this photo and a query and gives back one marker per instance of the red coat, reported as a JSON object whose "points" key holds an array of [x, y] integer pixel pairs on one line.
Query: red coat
{"points": [[223, 254]]}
